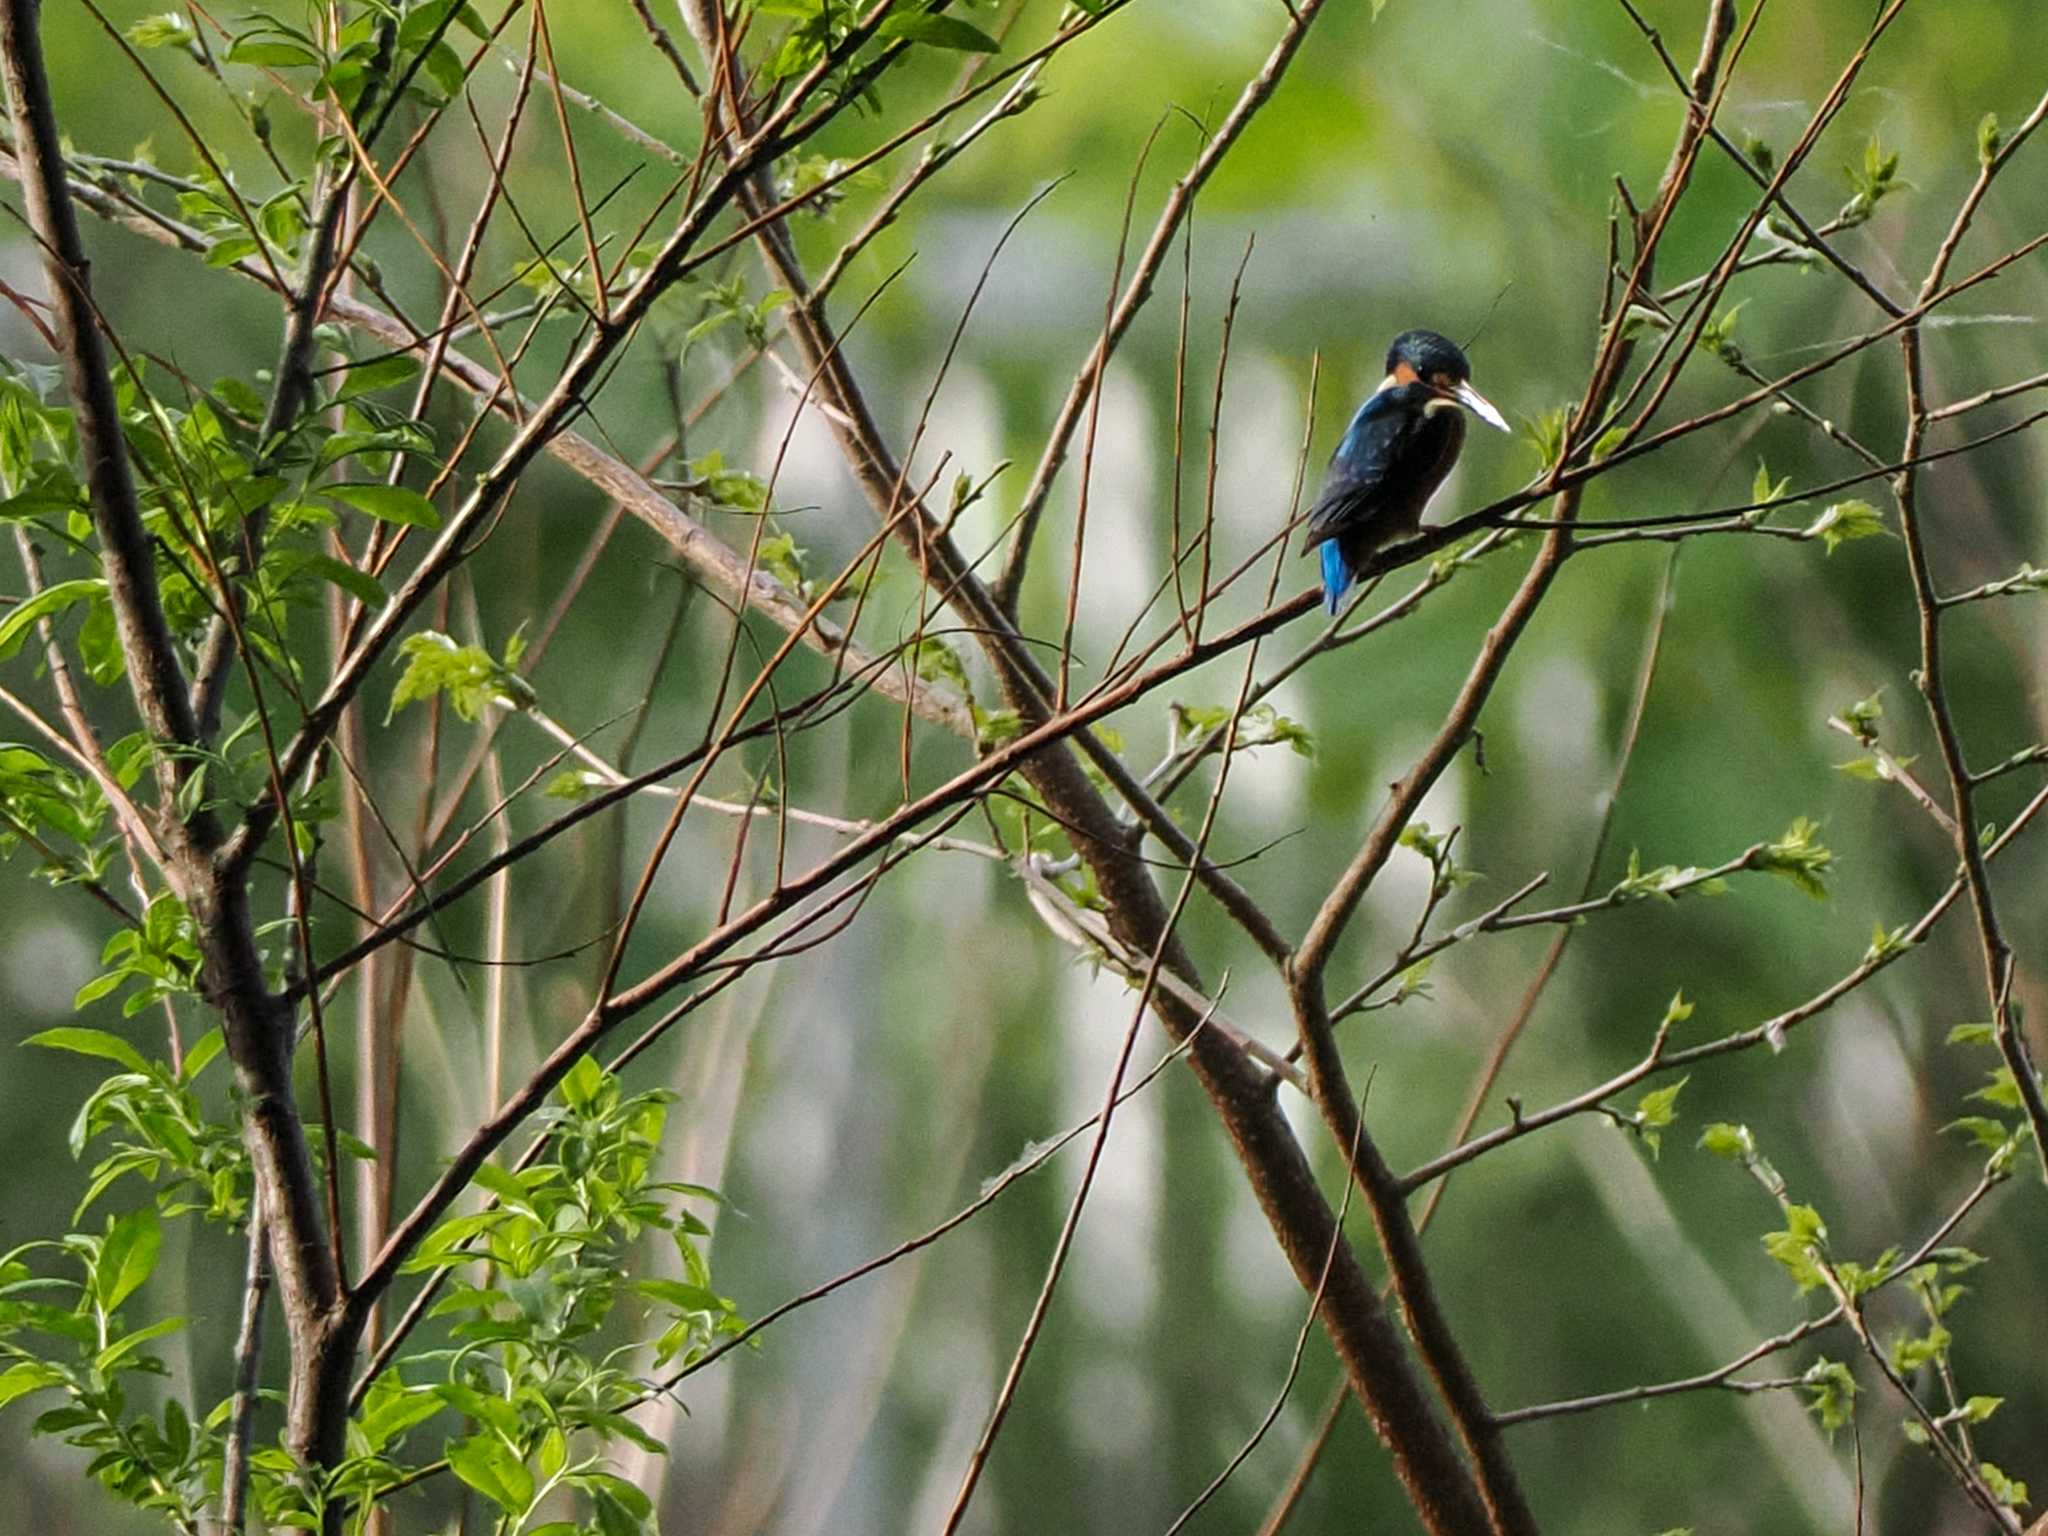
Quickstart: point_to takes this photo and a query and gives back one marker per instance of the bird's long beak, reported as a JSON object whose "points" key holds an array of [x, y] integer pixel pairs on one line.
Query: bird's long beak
{"points": [[1480, 406]]}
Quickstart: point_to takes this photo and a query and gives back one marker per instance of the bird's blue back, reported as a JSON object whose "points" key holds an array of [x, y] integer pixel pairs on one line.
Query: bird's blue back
{"points": [[1389, 462]]}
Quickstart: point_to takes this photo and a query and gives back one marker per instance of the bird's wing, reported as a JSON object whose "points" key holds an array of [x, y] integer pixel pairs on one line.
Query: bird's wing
{"points": [[1354, 486]]}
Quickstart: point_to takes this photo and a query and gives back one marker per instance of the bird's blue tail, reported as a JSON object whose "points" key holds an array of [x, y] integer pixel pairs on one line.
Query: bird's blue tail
{"points": [[1337, 575]]}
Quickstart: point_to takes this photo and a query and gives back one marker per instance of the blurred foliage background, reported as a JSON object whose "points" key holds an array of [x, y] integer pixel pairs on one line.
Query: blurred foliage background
{"points": [[1440, 165]]}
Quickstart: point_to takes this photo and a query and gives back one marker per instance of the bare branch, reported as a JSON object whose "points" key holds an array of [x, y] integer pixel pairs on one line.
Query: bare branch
{"points": [[1257, 91]]}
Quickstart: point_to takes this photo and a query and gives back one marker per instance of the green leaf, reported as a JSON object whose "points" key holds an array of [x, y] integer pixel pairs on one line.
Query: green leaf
{"points": [[359, 584], [487, 1465], [630, 1499], [378, 373], [937, 32], [1844, 521], [684, 1298], [994, 727], [1766, 492], [1978, 1409], [1989, 139], [1911, 1351], [424, 21], [441, 1247], [127, 1257], [2009, 1491], [444, 67], [386, 503], [2002, 1091], [1972, 1034], [98, 988], [389, 1414], [1640, 319], [486, 1408], [128, 1343], [505, 1185], [1418, 837], [1659, 1107], [229, 249], [91, 1042], [582, 1083], [937, 662], [1545, 433], [1413, 981], [1730, 1141], [780, 557], [171, 30], [468, 674], [22, 617], [1870, 183], [1862, 717], [29, 1376], [1667, 882], [403, 437], [1872, 770], [1655, 1111], [1956, 1259], [281, 220], [1831, 1393], [1717, 336], [1860, 1279], [1798, 857], [571, 784], [1986, 1132], [1799, 1247], [272, 52], [1262, 725]]}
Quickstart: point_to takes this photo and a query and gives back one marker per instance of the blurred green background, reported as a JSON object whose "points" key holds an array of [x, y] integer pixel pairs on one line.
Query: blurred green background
{"points": [[1412, 170]]}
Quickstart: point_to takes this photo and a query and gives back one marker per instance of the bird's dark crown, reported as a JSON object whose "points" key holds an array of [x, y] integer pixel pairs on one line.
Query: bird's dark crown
{"points": [[1429, 355]]}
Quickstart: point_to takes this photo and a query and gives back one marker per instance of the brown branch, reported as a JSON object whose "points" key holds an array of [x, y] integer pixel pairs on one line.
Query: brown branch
{"points": [[83, 746], [1999, 960], [291, 393], [234, 1478], [1511, 1032], [1313, 954], [1424, 1458], [1152, 979], [1385, 1194], [1771, 1032], [1720, 1376], [1257, 91], [1496, 514], [994, 1189], [579, 378], [1243, 1452], [1063, 1245], [154, 675], [257, 1028]]}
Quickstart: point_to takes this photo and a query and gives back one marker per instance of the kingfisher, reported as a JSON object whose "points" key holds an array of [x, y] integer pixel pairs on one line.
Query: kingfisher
{"points": [[1393, 456]]}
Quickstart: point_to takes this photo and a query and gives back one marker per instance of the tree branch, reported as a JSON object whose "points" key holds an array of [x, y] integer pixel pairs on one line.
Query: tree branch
{"points": [[1179, 203]]}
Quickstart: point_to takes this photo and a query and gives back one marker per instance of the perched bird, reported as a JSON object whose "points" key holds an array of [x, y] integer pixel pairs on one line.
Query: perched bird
{"points": [[1394, 455]]}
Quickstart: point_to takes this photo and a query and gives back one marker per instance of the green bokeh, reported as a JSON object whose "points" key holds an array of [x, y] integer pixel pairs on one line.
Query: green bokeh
{"points": [[1448, 164]]}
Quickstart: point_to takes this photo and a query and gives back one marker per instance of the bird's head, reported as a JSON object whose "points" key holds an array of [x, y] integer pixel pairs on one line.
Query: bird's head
{"points": [[1436, 363]]}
